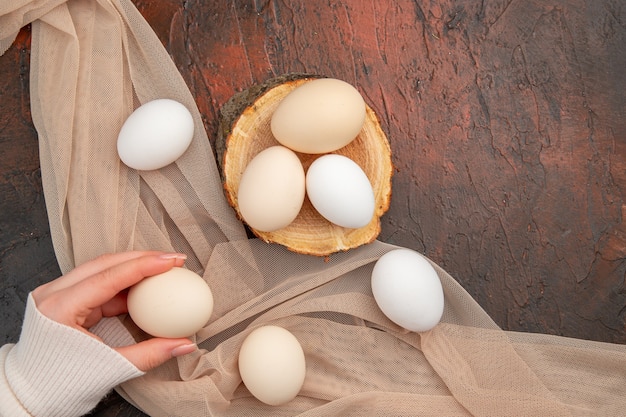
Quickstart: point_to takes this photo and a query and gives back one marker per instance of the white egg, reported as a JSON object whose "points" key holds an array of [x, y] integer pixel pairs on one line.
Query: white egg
{"points": [[271, 190], [176, 303], [340, 191], [407, 290], [155, 135], [272, 365], [319, 116]]}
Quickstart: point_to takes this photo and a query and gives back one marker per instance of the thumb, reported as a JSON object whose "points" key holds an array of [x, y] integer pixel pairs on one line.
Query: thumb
{"points": [[154, 352]]}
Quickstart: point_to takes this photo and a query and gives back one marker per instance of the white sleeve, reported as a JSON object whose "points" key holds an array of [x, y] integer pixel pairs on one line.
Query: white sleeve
{"points": [[55, 370]]}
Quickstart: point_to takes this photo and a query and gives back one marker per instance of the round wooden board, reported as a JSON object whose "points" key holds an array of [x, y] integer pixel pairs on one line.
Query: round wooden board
{"points": [[309, 233]]}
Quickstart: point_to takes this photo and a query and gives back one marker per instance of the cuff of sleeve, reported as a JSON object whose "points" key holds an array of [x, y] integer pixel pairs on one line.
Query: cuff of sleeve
{"points": [[56, 370], [112, 332], [9, 404]]}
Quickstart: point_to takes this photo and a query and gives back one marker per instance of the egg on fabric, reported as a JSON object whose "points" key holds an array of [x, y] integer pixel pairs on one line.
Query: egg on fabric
{"points": [[272, 364], [272, 189], [340, 191], [176, 303], [319, 116], [155, 135], [407, 290]]}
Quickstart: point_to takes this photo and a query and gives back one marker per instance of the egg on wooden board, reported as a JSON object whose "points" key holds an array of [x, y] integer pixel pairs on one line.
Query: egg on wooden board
{"points": [[340, 191], [407, 290], [156, 134], [272, 364], [176, 303], [319, 116], [272, 189]]}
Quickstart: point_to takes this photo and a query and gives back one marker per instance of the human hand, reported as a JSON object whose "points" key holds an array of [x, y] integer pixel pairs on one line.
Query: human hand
{"points": [[98, 289]]}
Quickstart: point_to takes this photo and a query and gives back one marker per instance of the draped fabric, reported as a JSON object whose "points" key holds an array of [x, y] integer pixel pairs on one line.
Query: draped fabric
{"points": [[92, 63]]}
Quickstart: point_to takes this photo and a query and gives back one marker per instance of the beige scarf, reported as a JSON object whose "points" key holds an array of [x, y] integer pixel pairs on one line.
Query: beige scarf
{"points": [[92, 63]]}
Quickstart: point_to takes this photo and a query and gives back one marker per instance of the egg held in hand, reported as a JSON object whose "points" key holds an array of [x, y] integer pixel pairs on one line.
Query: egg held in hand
{"points": [[176, 303], [272, 364], [340, 191], [156, 134], [319, 116], [272, 188], [407, 290]]}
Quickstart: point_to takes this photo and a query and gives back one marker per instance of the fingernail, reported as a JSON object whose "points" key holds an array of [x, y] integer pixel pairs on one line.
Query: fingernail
{"points": [[184, 349], [173, 256]]}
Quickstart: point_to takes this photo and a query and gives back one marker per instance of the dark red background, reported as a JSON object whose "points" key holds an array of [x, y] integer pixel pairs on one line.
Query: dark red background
{"points": [[506, 119]]}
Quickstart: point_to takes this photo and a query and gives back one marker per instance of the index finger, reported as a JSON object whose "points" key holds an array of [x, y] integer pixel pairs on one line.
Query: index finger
{"points": [[88, 269], [104, 285]]}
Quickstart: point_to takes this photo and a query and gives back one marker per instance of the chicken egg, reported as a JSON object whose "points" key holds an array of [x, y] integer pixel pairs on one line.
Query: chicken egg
{"points": [[155, 135], [340, 191], [319, 116], [272, 364], [272, 189], [176, 303], [407, 290]]}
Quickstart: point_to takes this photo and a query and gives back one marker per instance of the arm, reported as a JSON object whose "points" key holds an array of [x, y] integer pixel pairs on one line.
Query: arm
{"points": [[60, 368], [57, 370]]}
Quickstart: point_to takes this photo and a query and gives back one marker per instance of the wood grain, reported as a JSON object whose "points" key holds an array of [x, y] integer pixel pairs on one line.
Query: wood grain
{"points": [[245, 131]]}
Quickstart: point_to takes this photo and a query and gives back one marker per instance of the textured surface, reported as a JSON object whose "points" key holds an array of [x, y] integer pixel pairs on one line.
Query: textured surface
{"points": [[506, 121]]}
